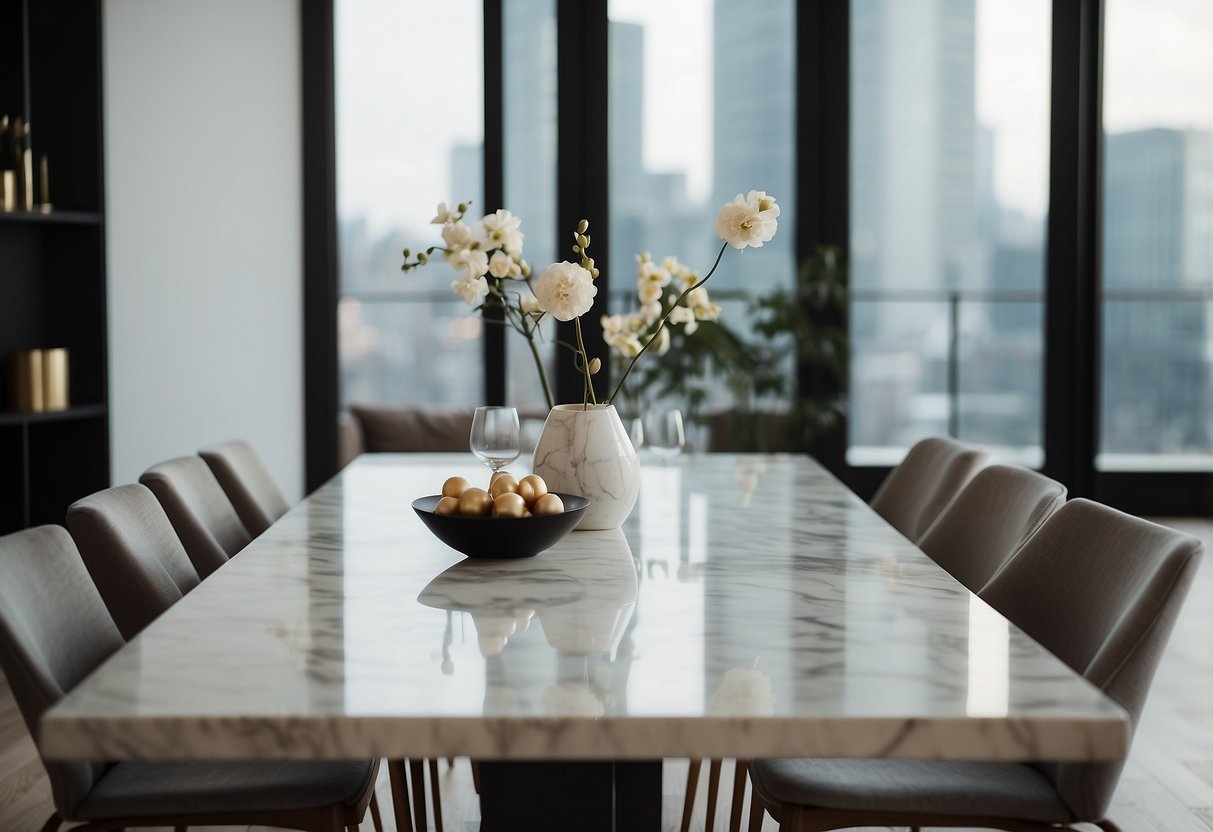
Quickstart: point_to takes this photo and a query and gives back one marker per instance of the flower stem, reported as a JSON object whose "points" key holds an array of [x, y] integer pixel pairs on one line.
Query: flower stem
{"points": [[661, 324], [585, 366], [543, 373]]}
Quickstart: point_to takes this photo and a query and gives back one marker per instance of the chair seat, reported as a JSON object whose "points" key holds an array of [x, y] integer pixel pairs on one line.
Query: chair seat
{"points": [[146, 789], [911, 786]]}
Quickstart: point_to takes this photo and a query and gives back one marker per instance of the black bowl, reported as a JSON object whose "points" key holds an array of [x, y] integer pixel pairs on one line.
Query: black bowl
{"points": [[501, 537]]}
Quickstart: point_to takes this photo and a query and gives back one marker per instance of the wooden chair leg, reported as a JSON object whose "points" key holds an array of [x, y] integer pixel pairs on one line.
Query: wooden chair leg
{"points": [[376, 818], [417, 776], [757, 811], [739, 780], [52, 823], [400, 796], [436, 793], [450, 762], [792, 819], [688, 804], [713, 788]]}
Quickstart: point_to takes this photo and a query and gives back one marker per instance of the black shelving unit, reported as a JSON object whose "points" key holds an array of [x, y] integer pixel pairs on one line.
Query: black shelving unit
{"points": [[52, 265]]}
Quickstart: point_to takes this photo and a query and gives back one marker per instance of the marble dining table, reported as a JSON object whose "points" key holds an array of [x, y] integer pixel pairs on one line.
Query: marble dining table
{"points": [[751, 606]]}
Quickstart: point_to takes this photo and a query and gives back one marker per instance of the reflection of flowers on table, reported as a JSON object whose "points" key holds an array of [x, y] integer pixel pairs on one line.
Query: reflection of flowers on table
{"points": [[744, 691], [571, 699]]}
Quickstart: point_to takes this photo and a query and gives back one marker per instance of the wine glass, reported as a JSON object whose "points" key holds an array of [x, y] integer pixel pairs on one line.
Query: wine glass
{"points": [[664, 432], [495, 438]]}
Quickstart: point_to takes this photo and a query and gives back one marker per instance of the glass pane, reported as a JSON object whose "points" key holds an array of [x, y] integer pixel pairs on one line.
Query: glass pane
{"points": [[391, 350], [1158, 236], [697, 114], [949, 195], [402, 148], [529, 70]]}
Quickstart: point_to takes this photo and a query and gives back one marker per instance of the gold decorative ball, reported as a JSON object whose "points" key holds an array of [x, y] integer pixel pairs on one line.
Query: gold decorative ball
{"points": [[548, 505], [508, 504], [498, 475], [536, 482], [502, 483], [526, 491], [447, 506], [475, 502], [455, 486]]}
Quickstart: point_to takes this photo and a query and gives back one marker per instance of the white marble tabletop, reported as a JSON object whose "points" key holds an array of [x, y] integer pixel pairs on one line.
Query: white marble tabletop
{"points": [[751, 606]]}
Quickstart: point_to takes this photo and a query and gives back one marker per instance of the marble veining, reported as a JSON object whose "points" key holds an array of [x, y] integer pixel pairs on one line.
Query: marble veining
{"points": [[749, 606]]}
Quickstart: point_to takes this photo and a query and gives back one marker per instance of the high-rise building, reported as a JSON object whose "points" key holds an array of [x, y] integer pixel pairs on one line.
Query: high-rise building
{"points": [[753, 129]]}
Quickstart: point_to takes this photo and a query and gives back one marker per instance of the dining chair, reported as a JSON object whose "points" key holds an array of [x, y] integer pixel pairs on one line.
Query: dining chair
{"points": [[917, 491], [136, 560], [247, 483], [1000, 508], [1099, 589], [202, 515], [54, 631]]}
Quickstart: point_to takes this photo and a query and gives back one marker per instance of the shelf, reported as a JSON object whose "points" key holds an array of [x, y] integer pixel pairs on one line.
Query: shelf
{"points": [[80, 411], [53, 218]]}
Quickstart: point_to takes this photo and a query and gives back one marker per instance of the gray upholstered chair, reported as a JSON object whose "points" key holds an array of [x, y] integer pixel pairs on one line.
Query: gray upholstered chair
{"points": [[247, 483], [1098, 588], [54, 630], [993, 515], [133, 554], [201, 514], [917, 491]]}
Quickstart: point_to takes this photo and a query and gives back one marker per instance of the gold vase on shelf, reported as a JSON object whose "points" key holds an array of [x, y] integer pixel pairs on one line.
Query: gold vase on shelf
{"points": [[55, 386]]}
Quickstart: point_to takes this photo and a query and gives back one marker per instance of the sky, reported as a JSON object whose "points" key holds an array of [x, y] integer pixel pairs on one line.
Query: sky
{"points": [[409, 86]]}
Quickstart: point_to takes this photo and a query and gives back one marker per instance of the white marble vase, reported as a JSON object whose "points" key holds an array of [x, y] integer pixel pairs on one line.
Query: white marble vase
{"points": [[586, 451]]}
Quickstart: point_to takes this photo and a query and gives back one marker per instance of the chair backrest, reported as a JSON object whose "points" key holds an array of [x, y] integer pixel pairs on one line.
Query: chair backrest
{"points": [[199, 510], [1101, 590], [136, 560], [917, 491], [54, 631], [412, 429], [990, 518], [247, 483]]}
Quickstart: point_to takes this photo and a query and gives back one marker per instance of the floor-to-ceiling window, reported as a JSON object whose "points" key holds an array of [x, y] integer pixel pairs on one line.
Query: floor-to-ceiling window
{"points": [[409, 115], [1156, 381], [949, 197]]}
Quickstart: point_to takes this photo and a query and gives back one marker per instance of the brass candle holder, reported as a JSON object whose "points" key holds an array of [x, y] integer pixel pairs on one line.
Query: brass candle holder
{"points": [[40, 380]]}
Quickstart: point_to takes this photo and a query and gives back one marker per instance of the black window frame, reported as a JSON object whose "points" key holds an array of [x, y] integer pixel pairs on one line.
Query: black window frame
{"points": [[1072, 277]]}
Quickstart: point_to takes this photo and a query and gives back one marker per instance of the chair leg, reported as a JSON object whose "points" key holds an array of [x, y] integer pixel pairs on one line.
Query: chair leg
{"points": [[376, 818], [688, 804], [417, 777], [400, 796], [792, 820], [475, 775], [713, 788], [757, 811], [436, 793], [52, 823], [739, 779]]}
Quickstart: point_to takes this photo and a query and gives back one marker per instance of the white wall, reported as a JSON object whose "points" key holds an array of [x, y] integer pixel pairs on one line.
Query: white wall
{"points": [[204, 230]]}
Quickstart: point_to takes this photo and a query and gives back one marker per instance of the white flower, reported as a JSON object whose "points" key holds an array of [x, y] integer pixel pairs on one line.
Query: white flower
{"points": [[626, 344], [745, 222], [472, 289], [444, 215], [650, 292], [698, 297], [502, 265], [471, 260], [611, 324], [458, 235], [650, 312], [530, 306], [710, 312], [685, 316], [501, 230], [566, 290], [662, 341], [650, 272]]}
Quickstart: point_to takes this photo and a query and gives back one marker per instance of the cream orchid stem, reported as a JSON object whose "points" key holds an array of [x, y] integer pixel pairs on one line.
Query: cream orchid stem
{"points": [[543, 373], [585, 366], [661, 324]]}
